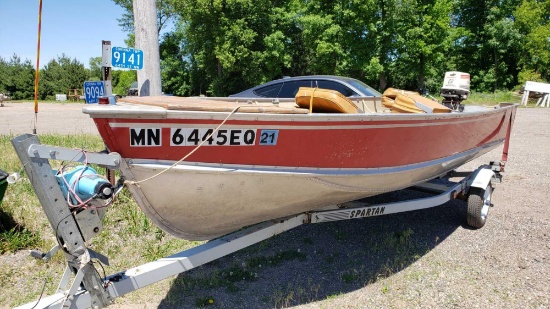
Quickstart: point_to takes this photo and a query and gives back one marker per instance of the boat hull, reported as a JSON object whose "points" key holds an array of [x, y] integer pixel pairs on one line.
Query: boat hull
{"points": [[270, 166]]}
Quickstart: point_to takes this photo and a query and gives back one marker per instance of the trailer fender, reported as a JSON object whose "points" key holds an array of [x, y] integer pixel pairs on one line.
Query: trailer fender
{"points": [[481, 178]]}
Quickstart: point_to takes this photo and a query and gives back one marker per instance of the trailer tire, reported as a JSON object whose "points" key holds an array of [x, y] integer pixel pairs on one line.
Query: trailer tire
{"points": [[479, 201]]}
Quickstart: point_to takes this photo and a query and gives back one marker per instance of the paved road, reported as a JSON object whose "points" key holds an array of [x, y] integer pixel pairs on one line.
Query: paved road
{"points": [[18, 118]]}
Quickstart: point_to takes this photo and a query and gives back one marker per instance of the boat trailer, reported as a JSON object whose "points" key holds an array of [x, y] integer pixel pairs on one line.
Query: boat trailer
{"points": [[74, 228]]}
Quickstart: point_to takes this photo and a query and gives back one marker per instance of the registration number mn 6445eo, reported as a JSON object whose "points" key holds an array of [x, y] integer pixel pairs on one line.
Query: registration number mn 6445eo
{"points": [[140, 137]]}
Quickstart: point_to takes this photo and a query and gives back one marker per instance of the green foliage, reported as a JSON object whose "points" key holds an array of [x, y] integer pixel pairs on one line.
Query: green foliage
{"points": [[202, 302], [492, 98], [95, 69], [529, 75], [174, 68], [17, 78], [377, 42], [122, 80], [60, 75], [532, 19], [421, 43], [222, 47], [488, 45], [165, 12], [17, 239], [349, 276], [277, 259], [225, 41]]}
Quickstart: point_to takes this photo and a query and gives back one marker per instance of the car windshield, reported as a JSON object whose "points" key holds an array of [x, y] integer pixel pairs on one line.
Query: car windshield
{"points": [[364, 88]]}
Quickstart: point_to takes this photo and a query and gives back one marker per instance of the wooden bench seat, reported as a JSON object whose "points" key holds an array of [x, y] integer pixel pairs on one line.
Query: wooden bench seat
{"points": [[206, 105]]}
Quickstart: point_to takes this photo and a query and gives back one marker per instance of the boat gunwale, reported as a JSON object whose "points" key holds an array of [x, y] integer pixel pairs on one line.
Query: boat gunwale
{"points": [[144, 112]]}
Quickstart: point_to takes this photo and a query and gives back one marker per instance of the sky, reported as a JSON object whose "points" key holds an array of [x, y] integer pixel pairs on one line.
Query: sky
{"points": [[73, 27]]}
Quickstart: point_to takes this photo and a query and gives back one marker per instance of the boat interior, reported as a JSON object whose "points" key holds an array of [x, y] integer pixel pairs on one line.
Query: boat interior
{"points": [[307, 100]]}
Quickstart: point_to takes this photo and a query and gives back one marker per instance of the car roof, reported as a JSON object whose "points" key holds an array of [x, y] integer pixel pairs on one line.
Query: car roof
{"points": [[298, 78], [304, 77]]}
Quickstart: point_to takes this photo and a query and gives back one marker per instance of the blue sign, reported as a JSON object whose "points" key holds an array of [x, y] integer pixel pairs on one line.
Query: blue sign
{"points": [[127, 58], [268, 137], [93, 90]]}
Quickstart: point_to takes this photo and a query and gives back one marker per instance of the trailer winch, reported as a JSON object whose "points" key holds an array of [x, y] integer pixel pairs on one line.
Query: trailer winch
{"points": [[83, 184]]}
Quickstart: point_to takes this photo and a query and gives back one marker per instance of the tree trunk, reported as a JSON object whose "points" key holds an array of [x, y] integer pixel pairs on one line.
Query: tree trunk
{"points": [[422, 76], [495, 87], [383, 82]]}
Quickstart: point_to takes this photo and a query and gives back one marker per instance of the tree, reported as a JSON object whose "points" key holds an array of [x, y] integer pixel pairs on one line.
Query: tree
{"points": [[503, 40], [165, 12], [174, 67], [489, 47], [17, 78], [122, 80], [422, 41], [225, 41], [383, 31], [532, 19], [60, 75], [95, 69]]}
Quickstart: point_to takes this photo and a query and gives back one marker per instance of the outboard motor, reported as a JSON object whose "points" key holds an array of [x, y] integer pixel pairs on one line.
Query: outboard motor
{"points": [[456, 88]]}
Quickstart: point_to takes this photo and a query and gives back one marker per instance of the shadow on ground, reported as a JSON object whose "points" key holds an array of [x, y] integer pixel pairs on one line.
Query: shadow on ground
{"points": [[318, 261], [6, 221]]}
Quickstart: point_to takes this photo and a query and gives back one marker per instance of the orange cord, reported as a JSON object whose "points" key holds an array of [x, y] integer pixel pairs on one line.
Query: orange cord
{"points": [[37, 65]]}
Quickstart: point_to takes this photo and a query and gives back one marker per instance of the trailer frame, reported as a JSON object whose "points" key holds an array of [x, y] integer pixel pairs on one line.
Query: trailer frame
{"points": [[73, 230]]}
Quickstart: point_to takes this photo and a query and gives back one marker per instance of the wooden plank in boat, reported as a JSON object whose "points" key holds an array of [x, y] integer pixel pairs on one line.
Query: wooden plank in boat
{"points": [[393, 92], [205, 105], [403, 101], [324, 101], [415, 103]]}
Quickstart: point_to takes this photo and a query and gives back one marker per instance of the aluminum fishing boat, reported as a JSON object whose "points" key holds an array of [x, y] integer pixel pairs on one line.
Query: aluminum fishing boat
{"points": [[201, 168]]}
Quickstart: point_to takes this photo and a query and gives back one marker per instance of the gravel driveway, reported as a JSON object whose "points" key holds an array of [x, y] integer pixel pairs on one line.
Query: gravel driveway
{"points": [[18, 118], [427, 258]]}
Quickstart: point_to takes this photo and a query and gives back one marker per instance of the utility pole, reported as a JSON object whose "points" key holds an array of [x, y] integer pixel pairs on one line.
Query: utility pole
{"points": [[145, 30]]}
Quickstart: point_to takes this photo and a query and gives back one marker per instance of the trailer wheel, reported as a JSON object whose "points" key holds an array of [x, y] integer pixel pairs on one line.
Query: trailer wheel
{"points": [[479, 201]]}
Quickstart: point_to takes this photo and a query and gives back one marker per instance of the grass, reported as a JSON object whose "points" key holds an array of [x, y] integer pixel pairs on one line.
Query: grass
{"points": [[128, 239], [233, 276], [492, 98], [17, 239], [202, 302], [291, 294], [277, 259]]}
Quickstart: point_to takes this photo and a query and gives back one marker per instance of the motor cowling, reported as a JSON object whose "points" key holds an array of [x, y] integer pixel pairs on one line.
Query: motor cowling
{"points": [[456, 88], [456, 85]]}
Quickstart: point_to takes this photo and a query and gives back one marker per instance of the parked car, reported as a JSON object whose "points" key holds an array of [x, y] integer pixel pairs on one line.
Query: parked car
{"points": [[133, 91], [287, 87]]}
